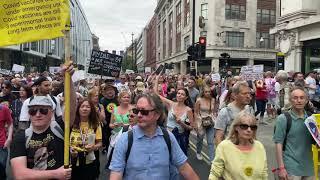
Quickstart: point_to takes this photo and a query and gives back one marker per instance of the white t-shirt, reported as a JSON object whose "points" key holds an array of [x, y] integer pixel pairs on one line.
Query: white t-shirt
{"points": [[24, 115]]}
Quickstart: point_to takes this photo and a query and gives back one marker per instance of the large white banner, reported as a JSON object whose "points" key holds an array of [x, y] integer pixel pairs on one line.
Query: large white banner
{"points": [[252, 72]]}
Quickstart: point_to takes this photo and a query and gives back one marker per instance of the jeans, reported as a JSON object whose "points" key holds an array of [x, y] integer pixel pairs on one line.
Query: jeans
{"points": [[182, 139], [3, 162], [209, 132], [261, 107]]}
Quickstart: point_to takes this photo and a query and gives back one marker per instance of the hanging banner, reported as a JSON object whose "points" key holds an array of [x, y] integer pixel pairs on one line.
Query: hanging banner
{"points": [[17, 68], [105, 64], [32, 20]]}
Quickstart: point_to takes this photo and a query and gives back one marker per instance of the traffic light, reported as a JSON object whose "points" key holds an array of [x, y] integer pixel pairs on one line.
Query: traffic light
{"points": [[193, 52], [225, 57], [202, 47]]}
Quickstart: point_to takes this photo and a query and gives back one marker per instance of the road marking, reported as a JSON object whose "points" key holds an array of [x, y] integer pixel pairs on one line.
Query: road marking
{"points": [[205, 157]]}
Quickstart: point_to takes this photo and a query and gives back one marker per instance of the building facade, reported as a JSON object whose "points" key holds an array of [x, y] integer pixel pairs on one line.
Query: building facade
{"points": [[40, 55], [141, 50], [151, 56], [297, 34], [237, 27]]}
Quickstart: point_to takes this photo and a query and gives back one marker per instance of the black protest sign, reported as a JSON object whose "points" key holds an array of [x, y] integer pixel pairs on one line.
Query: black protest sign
{"points": [[105, 64]]}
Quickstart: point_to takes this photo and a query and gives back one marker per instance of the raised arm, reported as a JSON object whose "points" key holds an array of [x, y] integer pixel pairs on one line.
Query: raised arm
{"points": [[166, 101]]}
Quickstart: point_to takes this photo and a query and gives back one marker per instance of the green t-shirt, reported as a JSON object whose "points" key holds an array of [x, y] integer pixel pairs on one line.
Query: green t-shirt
{"points": [[297, 156], [120, 118]]}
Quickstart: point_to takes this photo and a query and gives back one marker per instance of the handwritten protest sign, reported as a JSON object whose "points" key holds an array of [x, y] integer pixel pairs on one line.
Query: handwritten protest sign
{"points": [[105, 64], [311, 124], [17, 68], [31, 20], [252, 72], [5, 72]]}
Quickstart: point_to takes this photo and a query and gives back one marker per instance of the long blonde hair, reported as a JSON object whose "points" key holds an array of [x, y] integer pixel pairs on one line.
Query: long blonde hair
{"points": [[233, 135]]}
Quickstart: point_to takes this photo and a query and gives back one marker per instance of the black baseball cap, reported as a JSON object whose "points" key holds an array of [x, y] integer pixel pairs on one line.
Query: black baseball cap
{"points": [[38, 81]]}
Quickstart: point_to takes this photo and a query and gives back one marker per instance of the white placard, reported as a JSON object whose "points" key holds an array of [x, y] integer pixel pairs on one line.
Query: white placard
{"points": [[147, 70], [17, 68], [54, 69], [252, 72], [78, 75], [215, 77], [258, 68]]}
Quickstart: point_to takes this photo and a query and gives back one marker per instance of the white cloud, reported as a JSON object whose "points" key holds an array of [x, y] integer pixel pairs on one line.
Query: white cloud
{"points": [[113, 21]]}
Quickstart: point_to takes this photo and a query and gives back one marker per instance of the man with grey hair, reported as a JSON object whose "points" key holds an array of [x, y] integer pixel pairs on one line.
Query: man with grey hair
{"points": [[293, 141], [241, 93]]}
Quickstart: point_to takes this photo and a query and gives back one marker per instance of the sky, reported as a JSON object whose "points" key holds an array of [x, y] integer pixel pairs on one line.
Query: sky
{"points": [[113, 21]]}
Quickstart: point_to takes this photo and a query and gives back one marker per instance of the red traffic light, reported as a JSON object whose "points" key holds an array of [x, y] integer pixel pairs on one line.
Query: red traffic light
{"points": [[202, 40]]}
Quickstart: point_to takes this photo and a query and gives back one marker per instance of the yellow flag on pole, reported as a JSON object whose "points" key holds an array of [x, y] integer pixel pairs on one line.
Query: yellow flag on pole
{"points": [[32, 20]]}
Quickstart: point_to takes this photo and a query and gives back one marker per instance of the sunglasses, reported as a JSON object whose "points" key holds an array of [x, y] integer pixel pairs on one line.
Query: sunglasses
{"points": [[142, 111], [246, 126], [4, 87], [34, 111]]}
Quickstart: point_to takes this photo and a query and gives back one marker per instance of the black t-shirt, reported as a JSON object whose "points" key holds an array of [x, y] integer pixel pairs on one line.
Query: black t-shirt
{"points": [[45, 151], [105, 102]]}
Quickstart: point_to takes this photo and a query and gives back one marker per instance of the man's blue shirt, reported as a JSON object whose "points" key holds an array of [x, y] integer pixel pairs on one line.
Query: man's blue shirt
{"points": [[149, 157]]}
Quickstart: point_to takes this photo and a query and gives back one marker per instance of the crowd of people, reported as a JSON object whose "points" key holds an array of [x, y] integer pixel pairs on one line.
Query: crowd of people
{"points": [[142, 124]]}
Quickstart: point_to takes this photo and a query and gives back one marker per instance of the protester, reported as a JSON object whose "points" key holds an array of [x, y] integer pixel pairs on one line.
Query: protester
{"points": [[109, 101], [242, 97], [6, 95], [93, 96], [180, 119], [148, 158], [24, 93], [261, 100], [240, 156], [86, 137], [6, 131], [193, 91], [205, 119], [37, 153], [43, 86], [293, 145], [271, 95]]}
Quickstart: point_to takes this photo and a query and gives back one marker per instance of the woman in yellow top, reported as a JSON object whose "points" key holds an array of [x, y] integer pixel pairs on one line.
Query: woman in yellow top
{"points": [[85, 138], [240, 156]]}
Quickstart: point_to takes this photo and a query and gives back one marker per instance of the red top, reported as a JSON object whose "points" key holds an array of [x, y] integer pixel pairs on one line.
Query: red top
{"points": [[5, 118], [261, 93]]}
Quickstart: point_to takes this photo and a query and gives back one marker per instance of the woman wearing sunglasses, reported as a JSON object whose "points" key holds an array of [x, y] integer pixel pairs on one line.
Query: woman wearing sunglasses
{"points": [[240, 156], [85, 138], [180, 119]]}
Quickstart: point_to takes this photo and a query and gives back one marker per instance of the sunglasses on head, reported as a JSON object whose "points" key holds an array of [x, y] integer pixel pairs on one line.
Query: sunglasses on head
{"points": [[142, 111], [33, 111], [246, 126]]}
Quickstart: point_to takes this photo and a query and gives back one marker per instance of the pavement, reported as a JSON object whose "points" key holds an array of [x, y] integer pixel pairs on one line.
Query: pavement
{"points": [[202, 168]]}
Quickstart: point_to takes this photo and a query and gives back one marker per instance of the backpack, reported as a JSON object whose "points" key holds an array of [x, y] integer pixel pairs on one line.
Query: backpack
{"points": [[55, 128]]}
